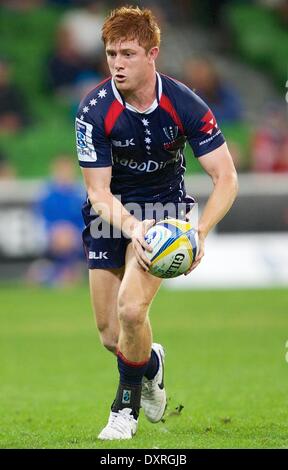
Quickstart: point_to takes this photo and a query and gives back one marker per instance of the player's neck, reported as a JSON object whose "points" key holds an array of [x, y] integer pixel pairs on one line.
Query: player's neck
{"points": [[144, 96]]}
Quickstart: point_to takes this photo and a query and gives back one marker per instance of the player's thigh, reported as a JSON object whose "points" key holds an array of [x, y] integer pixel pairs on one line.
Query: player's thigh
{"points": [[104, 289], [105, 260], [137, 289]]}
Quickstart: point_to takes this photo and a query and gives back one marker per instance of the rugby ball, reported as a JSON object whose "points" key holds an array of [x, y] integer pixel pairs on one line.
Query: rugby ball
{"points": [[175, 247]]}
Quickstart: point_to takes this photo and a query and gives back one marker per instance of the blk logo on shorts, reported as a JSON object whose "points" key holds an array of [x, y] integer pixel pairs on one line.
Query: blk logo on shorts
{"points": [[99, 255], [126, 397]]}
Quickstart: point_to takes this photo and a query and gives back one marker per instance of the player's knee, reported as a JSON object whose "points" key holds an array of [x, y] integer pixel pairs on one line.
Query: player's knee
{"points": [[132, 313]]}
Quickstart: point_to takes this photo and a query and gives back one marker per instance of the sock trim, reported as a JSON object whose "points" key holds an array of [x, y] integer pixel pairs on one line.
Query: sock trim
{"points": [[131, 363]]}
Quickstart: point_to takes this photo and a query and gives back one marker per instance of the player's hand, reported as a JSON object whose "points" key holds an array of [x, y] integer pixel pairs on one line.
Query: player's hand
{"points": [[139, 244], [201, 240]]}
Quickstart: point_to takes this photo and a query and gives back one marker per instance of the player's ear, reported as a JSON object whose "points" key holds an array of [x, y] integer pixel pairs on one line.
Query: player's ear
{"points": [[153, 53]]}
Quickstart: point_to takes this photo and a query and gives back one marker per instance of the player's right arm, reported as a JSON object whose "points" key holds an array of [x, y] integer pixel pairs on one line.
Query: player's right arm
{"points": [[97, 182]]}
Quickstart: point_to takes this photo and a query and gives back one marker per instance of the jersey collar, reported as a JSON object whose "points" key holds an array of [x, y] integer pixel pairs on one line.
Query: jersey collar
{"points": [[154, 105]]}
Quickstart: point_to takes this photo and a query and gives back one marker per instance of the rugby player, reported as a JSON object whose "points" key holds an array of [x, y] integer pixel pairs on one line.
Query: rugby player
{"points": [[131, 133]]}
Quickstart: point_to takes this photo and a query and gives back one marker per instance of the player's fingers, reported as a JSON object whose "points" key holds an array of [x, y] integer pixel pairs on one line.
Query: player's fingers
{"points": [[199, 256], [144, 258], [141, 262], [188, 272], [146, 225], [145, 245], [194, 265], [140, 252], [137, 256], [200, 253]]}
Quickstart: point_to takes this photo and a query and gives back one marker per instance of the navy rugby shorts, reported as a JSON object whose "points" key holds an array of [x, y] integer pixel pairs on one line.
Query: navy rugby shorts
{"points": [[105, 246]]}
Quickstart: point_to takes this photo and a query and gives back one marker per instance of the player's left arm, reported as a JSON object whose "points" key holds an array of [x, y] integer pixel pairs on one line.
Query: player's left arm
{"points": [[220, 167]]}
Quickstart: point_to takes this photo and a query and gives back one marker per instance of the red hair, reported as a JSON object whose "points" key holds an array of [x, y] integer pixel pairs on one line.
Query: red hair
{"points": [[128, 23]]}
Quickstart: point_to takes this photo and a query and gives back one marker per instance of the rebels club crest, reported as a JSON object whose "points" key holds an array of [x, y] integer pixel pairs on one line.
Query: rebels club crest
{"points": [[171, 132]]}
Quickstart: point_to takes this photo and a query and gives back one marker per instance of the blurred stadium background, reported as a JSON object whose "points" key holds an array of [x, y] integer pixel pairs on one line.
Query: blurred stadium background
{"points": [[234, 53]]}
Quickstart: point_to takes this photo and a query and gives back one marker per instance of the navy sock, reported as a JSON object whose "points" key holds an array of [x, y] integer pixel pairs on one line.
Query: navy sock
{"points": [[153, 366], [129, 389], [131, 372]]}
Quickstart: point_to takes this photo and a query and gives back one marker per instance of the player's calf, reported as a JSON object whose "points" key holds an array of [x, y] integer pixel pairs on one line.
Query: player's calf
{"points": [[109, 344], [108, 338]]}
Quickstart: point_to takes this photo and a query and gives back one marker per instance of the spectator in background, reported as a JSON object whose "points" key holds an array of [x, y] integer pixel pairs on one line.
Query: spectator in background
{"points": [[59, 208], [283, 13], [21, 5], [83, 25], [14, 114], [64, 65], [68, 76], [77, 51], [65, 3], [201, 75], [279, 6], [269, 147]]}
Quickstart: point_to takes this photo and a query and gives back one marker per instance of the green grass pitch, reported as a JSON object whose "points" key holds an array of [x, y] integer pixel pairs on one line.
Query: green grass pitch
{"points": [[225, 364]]}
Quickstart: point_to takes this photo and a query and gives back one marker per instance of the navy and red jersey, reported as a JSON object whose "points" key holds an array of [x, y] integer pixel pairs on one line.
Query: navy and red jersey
{"points": [[145, 149]]}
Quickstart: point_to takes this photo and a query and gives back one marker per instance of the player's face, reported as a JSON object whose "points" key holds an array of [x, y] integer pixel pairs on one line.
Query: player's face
{"points": [[129, 64]]}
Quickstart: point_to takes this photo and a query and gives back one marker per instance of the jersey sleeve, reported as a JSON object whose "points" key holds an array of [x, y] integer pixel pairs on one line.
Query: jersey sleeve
{"points": [[201, 128], [93, 147]]}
